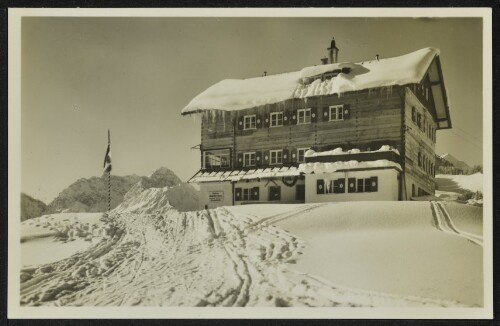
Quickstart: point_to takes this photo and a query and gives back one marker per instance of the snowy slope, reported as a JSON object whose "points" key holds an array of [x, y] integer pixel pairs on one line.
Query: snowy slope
{"points": [[152, 255], [232, 94], [473, 182]]}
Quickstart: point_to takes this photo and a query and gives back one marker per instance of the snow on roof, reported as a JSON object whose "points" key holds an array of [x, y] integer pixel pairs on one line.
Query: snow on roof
{"points": [[339, 151], [237, 175], [318, 167], [238, 94]]}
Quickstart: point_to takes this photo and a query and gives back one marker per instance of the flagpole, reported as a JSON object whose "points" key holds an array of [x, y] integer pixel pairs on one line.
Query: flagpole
{"points": [[109, 177]]}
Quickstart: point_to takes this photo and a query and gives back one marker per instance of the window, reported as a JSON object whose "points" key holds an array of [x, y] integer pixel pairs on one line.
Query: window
{"points": [[413, 114], [336, 113], [303, 116], [246, 194], [301, 153], [360, 185], [419, 120], [413, 190], [216, 159], [427, 93], [276, 156], [249, 159], [419, 159], [276, 119], [249, 122]]}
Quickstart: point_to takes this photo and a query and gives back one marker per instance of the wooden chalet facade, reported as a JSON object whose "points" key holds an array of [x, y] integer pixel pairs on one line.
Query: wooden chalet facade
{"points": [[282, 149]]}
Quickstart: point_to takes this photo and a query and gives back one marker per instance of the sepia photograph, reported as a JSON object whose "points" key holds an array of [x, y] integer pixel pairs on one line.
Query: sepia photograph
{"points": [[196, 162]]}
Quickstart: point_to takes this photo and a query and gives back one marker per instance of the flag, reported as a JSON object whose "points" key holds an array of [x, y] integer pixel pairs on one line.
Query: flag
{"points": [[107, 157], [107, 160]]}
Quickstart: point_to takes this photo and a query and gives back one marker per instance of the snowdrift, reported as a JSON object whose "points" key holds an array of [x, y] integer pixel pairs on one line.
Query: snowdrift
{"points": [[334, 255]]}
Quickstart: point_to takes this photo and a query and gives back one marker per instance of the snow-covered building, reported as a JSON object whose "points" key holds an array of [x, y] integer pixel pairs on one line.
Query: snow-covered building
{"points": [[331, 132]]}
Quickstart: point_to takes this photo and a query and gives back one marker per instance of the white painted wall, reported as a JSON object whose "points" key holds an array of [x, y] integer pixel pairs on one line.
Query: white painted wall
{"points": [[216, 188], [387, 186]]}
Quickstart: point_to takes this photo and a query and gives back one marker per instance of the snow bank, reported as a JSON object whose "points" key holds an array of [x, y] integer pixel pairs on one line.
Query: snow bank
{"points": [[319, 167], [339, 151], [233, 94], [61, 235], [473, 182], [389, 247]]}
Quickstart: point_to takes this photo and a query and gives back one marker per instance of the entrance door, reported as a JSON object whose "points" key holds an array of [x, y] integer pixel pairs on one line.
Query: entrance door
{"points": [[300, 193], [275, 193]]}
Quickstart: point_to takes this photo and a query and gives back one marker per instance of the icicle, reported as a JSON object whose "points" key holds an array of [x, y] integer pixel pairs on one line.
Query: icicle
{"points": [[224, 120], [327, 185]]}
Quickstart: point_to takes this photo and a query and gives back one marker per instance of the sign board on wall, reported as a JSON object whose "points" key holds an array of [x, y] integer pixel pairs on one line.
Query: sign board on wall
{"points": [[216, 196]]}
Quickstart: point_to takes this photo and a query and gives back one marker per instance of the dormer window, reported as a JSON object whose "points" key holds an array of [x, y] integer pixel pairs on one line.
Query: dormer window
{"points": [[336, 113], [249, 122], [303, 116]]}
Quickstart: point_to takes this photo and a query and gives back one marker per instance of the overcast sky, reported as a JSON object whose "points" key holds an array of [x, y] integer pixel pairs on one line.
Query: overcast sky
{"points": [[81, 76]]}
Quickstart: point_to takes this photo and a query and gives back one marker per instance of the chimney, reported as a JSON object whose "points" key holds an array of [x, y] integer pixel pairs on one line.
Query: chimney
{"points": [[376, 56], [324, 60], [333, 52]]}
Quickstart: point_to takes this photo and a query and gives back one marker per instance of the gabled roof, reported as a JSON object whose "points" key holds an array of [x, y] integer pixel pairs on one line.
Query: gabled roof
{"points": [[239, 94]]}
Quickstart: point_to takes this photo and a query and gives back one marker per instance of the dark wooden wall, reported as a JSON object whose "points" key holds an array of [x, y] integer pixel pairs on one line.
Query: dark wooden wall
{"points": [[417, 140], [374, 119]]}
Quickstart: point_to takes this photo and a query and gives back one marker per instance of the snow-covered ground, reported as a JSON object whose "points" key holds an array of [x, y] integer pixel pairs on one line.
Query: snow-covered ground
{"points": [[335, 254], [473, 182]]}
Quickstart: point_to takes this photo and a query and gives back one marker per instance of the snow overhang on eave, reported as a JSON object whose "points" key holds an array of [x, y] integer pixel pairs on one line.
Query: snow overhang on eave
{"points": [[244, 174], [241, 94], [439, 94]]}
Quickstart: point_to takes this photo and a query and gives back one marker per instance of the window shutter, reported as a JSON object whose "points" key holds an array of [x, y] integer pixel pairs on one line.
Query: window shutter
{"points": [[286, 156], [347, 111], [374, 184], [293, 155], [413, 114], [294, 117], [240, 123], [368, 184], [266, 158], [258, 158], [351, 184], [237, 194], [254, 195], [258, 120], [239, 160], [286, 118], [267, 120], [341, 188], [326, 113], [314, 115], [320, 186]]}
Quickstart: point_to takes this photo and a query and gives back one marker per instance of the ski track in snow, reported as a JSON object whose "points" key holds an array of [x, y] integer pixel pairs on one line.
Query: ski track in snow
{"points": [[444, 223], [161, 257]]}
